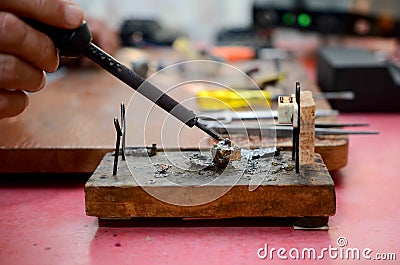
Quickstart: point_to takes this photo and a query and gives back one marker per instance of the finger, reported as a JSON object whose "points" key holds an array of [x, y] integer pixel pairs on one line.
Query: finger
{"points": [[18, 74], [12, 103], [59, 13], [19, 39]]}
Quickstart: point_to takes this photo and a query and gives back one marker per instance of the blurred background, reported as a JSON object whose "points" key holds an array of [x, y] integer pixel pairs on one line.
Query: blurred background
{"points": [[203, 20], [363, 33], [200, 20]]}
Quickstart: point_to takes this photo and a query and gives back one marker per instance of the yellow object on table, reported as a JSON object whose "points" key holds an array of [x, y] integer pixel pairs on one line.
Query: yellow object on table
{"points": [[232, 99]]}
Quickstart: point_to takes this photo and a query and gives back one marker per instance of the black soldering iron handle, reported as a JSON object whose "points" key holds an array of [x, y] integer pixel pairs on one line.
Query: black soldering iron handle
{"points": [[69, 42]]}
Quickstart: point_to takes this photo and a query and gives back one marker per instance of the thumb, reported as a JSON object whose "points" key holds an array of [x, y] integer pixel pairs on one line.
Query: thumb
{"points": [[58, 13]]}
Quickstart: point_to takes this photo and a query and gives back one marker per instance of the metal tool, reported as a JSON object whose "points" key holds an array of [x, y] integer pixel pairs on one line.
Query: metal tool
{"points": [[339, 125], [280, 130], [338, 95], [77, 42], [227, 117], [123, 130]]}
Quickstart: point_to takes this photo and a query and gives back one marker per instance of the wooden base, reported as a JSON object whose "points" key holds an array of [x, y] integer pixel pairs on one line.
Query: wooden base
{"points": [[195, 194]]}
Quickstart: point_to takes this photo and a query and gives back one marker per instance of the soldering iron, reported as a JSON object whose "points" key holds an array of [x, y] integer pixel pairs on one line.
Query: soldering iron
{"points": [[78, 42]]}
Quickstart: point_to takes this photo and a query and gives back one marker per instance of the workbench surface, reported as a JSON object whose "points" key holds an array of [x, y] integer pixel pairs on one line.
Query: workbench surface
{"points": [[43, 221]]}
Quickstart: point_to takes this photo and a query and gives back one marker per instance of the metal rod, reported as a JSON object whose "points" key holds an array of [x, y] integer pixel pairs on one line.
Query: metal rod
{"points": [[331, 125], [119, 134], [298, 128], [123, 125], [339, 95], [282, 131], [209, 131], [230, 116], [327, 131], [339, 125]]}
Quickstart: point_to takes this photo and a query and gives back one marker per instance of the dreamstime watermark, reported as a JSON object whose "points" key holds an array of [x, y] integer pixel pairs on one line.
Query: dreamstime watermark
{"points": [[341, 251]]}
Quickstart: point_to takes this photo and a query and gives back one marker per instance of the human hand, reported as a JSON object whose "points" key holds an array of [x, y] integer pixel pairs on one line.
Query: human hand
{"points": [[26, 53]]}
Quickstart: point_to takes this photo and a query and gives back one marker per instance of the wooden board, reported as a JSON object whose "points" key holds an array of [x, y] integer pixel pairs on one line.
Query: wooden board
{"points": [[187, 194], [68, 127]]}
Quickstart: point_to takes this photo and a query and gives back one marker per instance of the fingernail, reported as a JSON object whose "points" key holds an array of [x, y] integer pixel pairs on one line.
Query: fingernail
{"points": [[55, 65], [73, 15], [26, 102], [43, 83]]}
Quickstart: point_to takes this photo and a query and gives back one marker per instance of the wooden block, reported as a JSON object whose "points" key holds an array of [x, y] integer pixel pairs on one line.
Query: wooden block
{"points": [[307, 128], [281, 193]]}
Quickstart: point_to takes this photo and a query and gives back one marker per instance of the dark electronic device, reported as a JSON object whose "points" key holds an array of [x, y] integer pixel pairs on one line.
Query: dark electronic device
{"points": [[143, 32], [376, 84], [77, 42], [338, 21]]}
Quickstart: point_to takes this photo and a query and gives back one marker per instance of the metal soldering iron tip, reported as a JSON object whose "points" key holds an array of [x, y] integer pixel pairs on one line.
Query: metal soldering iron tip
{"points": [[209, 131]]}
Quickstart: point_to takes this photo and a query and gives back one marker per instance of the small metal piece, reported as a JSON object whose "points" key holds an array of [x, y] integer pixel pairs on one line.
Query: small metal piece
{"points": [[116, 154], [223, 152], [123, 127], [152, 151]]}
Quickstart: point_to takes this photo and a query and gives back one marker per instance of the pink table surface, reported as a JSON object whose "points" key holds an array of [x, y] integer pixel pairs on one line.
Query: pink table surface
{"points": [[44, 222]]}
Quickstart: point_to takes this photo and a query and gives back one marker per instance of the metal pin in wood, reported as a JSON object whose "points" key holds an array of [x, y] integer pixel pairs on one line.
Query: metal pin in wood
{"points": [[117, 144], [123, 127], [298, 128]]}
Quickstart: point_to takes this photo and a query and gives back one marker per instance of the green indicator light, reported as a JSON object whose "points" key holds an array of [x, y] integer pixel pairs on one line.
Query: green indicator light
{"points": [[304, 20], [289, 19]]}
